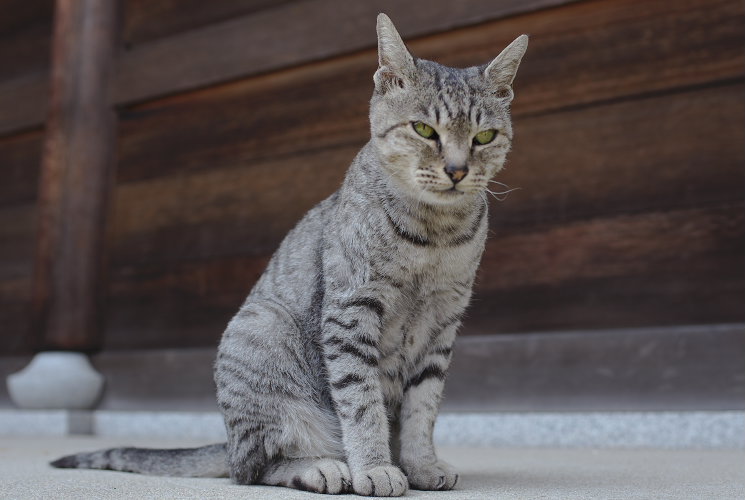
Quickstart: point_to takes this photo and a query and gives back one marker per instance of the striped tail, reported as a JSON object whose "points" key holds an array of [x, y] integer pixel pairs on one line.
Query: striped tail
{"points": [[206, 461]]}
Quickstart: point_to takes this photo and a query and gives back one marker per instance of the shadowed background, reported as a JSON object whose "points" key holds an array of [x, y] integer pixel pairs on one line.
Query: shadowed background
{"points": [[613, 279]]}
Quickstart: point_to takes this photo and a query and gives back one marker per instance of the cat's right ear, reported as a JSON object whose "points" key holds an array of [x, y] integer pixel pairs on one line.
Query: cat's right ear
{"points": [[396, 67], [502, 70]]}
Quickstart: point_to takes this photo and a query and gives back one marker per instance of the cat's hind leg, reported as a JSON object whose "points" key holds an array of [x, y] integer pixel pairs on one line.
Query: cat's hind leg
{"points": [[319, 475], [270, 395]]}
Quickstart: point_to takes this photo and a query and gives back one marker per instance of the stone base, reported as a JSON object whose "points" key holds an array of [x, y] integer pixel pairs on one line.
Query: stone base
{"points": [[56, 380]]}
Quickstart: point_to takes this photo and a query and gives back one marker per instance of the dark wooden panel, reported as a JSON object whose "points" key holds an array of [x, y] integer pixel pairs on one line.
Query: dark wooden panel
{"points": [[654, 269], [145, 20], [181, 305], [213, 148], [24, 102], [593, 51], [274, 116], [15, 315], [288, 35], [223, 212], [649, 242], [17, 233], [76, 179], [658, 268], [325, 104], [25, 34], [20, 157], [645, 46], [619, 158], [280, 37], [673, 150], [647, 369]]}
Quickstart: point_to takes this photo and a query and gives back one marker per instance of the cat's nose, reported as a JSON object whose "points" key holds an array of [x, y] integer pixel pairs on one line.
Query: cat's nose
{"points": [[456, 172]]}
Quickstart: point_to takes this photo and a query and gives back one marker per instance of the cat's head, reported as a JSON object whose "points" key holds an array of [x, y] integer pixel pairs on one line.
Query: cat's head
{"points": [[442, 133]]}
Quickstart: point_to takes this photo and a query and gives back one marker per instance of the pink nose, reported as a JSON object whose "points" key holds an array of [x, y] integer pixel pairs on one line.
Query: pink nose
{"points": [[456, 172]]}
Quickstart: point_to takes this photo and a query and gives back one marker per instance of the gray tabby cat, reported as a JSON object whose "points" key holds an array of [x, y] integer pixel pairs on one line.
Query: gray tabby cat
{"points": [[330, 375]]}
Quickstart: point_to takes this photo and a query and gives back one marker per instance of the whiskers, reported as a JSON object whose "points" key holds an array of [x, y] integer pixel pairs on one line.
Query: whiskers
{"points": [[496, 194]]}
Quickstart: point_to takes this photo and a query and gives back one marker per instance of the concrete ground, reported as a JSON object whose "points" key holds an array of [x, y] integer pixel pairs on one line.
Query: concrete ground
{"points": [[486, 473]]}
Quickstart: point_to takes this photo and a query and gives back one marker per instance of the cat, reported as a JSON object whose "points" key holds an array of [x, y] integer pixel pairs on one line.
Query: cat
{"points": [[330, 375]]}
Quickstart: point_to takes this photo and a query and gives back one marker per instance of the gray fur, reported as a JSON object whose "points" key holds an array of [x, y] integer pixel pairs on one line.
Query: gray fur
{"points": [[331, 373]]}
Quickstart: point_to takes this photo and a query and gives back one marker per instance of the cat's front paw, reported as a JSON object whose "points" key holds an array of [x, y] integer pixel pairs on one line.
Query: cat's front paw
{"points": [[381, 481], [437, 476]]}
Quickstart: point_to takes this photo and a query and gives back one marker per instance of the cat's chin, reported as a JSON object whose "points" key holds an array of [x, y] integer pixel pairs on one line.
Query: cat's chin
{"points": [[446, 197]]}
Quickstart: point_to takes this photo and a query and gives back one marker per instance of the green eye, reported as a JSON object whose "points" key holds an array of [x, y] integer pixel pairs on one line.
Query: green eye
{"points": [[425, 130], [485, 136]]}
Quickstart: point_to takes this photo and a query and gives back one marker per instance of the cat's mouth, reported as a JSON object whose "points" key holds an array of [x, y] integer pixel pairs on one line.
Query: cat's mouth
{"points": [[452, 191]]}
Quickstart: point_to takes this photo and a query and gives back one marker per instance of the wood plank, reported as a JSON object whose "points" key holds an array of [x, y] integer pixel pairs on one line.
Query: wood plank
{"points": [[602, 247], [20, 157], [222, 212], [603, 50], [15, 316], [215, 214], [76, 179], [146, 20], [666, 268], [626, 157], [25, 34], [252, 117], [639, 270], [648, 299], [644, 369], [23, 101], [218, 52], [657, 268], [17, 241], [186, 304], [694, 42], [17, 238], [647, 369], [239, 205]]}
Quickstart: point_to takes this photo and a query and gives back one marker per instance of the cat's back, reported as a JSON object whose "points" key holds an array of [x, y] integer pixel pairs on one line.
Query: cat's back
{"points": [[294, 273]]}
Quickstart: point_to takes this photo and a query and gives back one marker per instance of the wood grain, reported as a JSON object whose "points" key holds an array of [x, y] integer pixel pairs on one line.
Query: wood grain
{"points": [[25, 35], [15, 315], [657, 268], [217, 52], [146, 20], [593, 162], [654, 269], [186, 304], [647, 46], [325, 104], [630, 212], [290, 34], [20, 156], [76, 175], [673, 150]]}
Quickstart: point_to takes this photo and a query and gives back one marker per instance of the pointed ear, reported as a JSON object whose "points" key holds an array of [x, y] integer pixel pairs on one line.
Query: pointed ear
{"points": [[396, 67], [502, 70]]}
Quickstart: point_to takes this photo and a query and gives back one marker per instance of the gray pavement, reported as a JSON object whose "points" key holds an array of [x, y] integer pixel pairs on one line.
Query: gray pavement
{"points": [[486, 473]]}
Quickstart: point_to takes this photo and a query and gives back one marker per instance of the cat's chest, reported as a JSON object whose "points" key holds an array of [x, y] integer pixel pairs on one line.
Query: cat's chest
{"points": [[415, 314], [431, 267]]}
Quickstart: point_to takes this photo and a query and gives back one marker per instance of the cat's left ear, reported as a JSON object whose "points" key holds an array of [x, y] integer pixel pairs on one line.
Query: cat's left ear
{"points": [[502, 70], [396, 66]]}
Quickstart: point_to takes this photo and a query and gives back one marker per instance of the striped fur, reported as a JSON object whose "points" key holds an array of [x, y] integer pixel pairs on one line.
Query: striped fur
{"points": [[331, 373]]}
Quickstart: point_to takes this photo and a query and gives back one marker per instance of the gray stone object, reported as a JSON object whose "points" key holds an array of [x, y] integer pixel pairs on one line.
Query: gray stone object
{"points": [[56, 380]]}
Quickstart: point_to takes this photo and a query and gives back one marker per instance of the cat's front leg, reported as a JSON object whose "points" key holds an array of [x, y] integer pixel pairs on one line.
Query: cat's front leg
{"points": [[351, 332], [422, 395]]}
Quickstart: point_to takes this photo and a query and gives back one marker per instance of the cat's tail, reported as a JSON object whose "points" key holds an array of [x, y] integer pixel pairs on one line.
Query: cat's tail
{"points": [[206, 461]]}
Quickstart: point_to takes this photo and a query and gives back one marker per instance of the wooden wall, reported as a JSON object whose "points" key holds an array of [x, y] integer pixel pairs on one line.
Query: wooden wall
{"points": [[236, 116]]}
